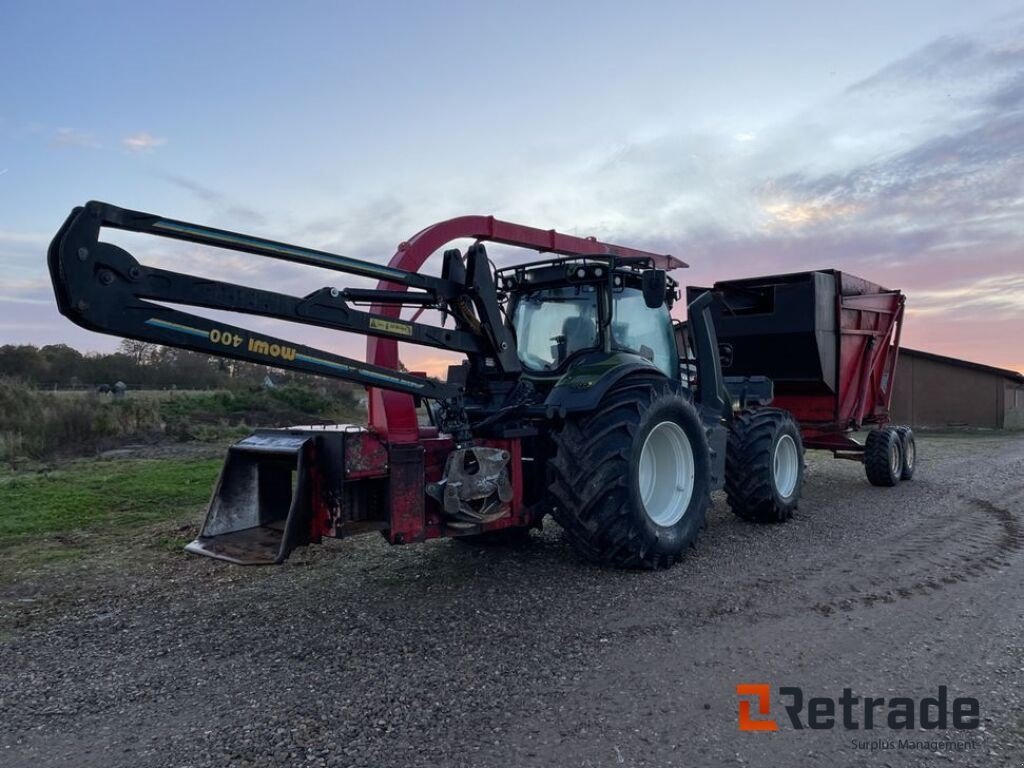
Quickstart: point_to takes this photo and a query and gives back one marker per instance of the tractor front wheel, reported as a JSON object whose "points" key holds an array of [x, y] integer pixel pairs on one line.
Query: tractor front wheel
{"points": [[630, 482], [764, 466]]}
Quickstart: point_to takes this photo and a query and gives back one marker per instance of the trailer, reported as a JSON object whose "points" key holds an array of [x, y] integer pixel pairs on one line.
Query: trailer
{"points": [[574, 399], [829, 342]]}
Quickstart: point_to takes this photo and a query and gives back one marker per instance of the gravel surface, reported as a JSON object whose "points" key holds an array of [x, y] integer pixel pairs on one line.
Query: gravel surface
{"points": [[360, 654]]}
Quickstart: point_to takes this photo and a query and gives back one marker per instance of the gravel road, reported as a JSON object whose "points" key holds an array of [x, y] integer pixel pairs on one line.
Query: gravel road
{"points": [[357, 654]]}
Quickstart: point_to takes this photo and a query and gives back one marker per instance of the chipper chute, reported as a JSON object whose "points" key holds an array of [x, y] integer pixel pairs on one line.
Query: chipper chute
{"points": [[262, 505]]}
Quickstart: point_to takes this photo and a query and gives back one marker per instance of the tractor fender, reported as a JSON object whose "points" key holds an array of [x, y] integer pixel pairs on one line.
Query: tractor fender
{"points": [[584, 385]]}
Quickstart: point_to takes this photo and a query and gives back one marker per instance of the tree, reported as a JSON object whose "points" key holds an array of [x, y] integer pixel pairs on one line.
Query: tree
{"points": [[142, 352], [22, 361], [63, 364]]}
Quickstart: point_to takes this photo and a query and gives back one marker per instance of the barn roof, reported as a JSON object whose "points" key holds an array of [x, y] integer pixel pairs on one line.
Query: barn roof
{"points": [[1015, 376]]}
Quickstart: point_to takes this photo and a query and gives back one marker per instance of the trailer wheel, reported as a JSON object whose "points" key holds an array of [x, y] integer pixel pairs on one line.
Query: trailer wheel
{"points": [[883, 457], [764, 466], [909, 452], [630, 482]]}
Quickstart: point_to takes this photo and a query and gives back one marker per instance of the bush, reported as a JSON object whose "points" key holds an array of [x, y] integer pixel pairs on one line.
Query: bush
{"points": [[194, 417], [38, 424]]}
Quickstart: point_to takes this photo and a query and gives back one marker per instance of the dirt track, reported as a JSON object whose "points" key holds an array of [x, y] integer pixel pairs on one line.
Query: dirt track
{"points": [[442, 654]]}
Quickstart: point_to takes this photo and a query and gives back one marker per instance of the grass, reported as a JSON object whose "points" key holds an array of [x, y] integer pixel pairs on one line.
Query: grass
{"points": [[51, 517]]}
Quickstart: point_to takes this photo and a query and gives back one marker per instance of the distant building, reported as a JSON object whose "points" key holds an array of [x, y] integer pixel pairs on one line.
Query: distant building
{"points": [[936, 391]]}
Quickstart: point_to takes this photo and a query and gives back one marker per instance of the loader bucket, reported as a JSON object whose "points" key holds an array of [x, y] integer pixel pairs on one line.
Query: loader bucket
{"points": [[260, 508]]}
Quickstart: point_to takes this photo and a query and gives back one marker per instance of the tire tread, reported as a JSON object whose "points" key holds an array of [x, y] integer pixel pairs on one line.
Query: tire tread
{"points": [[876, 457]]}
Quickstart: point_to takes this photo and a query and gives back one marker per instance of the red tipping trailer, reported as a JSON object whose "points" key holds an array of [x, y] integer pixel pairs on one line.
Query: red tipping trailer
{"points": [[828, 341]]}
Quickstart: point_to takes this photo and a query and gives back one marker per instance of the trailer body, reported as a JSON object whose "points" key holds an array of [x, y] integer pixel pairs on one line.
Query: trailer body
{"points": [[828, 340]]}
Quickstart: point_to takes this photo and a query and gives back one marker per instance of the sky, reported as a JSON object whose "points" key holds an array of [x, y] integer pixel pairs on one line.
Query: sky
{"points": [[884, 139]]}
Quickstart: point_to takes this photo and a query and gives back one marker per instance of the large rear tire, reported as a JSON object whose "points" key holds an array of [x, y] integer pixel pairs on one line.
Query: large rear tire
{"points": [[630, 482], [883, 457], [764, 466]]}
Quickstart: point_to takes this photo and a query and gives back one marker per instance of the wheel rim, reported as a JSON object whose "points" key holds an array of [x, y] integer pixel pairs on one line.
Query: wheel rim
{"points": [[666, 474], [786, 466], [896, 457]]}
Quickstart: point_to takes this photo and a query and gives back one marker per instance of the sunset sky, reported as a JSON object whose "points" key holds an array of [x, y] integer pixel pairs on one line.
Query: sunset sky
{"points": [[885, 139]]}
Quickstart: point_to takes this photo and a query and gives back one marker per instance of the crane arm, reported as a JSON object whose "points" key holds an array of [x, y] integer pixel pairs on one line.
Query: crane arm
{"points": [[103, 288]]}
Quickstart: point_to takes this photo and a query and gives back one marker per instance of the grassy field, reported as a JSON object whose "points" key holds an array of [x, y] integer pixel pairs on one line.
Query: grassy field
{"points": [[46, 517], [92, 483]]}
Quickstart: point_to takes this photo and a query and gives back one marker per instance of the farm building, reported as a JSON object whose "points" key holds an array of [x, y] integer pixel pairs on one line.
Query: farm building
{"points": [[937, 391]]}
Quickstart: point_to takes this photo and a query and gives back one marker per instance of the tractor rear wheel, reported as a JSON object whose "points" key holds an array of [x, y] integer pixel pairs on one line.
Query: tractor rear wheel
{"points": [[764, 466], [630, 481], [909, 452], [883, 457]]}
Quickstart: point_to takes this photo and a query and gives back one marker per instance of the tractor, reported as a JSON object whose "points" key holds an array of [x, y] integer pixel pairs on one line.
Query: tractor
{"points": [[578, 397]]}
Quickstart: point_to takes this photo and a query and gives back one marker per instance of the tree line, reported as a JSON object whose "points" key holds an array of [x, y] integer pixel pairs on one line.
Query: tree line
{"points": [[139, 365]]}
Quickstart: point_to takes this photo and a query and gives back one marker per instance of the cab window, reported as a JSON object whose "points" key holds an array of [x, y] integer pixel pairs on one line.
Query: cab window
{"points": [[554, 323], [645, 331]]}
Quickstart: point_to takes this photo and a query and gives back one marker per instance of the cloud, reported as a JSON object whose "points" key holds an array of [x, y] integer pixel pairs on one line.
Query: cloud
{"points": [[369, 229], [7, 237], [1001, 296], [142, 142], [946, 57], [226, 207], [68, 137], [969, 179], [199, 190], [929, 151], [26, 291]]}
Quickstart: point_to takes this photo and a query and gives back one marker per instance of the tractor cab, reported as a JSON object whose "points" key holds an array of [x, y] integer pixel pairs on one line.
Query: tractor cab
{"points": [[572, 311]]}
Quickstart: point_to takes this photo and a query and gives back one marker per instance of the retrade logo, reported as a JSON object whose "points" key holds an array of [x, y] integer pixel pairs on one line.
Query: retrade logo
{"points": [[898, 713], [757, 693]]}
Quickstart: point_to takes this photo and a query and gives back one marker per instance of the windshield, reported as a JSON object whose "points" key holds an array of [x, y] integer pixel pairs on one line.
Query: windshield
{"points": [[648, 332], [554, 323]]}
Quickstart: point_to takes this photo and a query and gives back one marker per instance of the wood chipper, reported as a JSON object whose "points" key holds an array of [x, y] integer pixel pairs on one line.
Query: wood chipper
{"points": [[577, 397]]}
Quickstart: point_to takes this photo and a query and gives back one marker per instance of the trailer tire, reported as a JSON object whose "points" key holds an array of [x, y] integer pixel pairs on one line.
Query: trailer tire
{"points": [[630, 482], [764, 466], [909, 452], [883, 457]]}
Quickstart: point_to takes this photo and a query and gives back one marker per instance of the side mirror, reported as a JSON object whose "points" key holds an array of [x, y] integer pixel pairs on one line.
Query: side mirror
{"points": [[654, 285]]}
